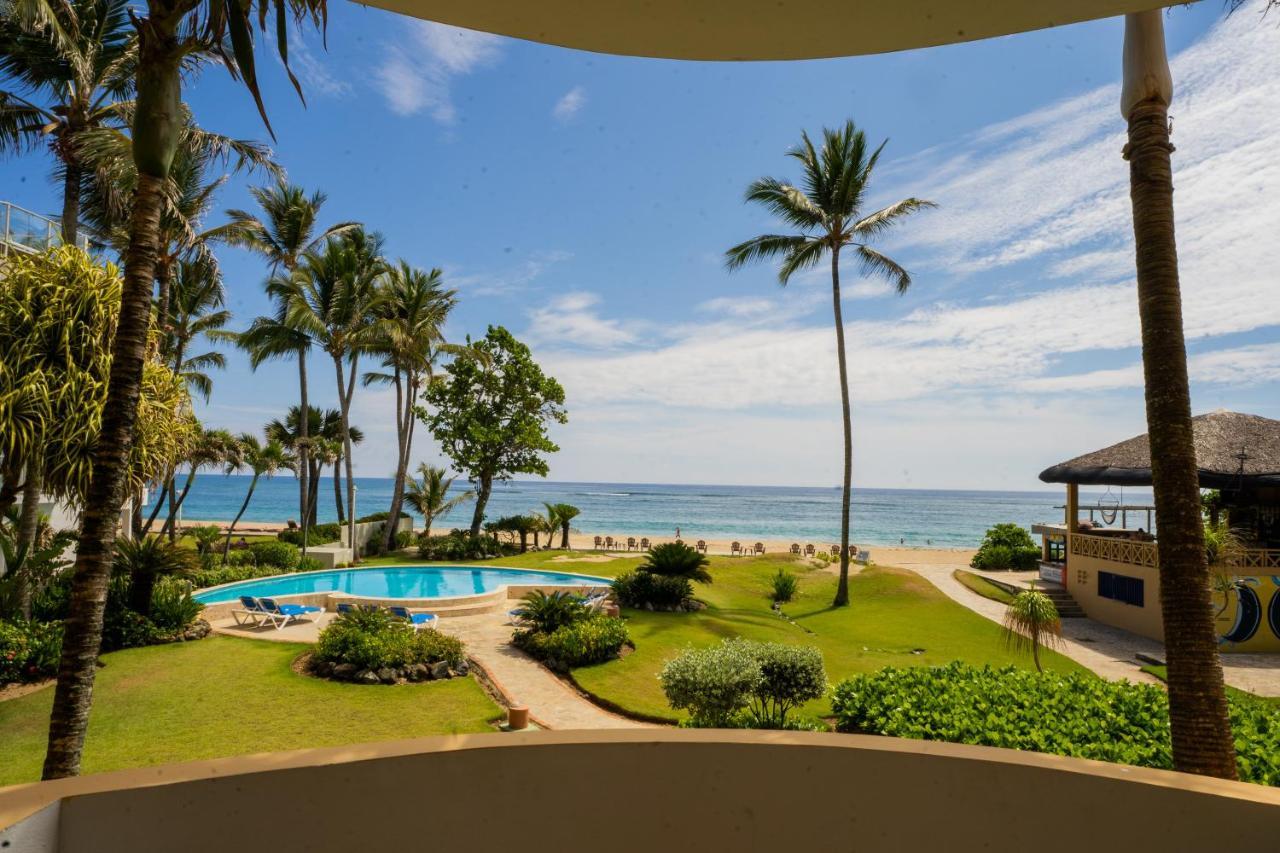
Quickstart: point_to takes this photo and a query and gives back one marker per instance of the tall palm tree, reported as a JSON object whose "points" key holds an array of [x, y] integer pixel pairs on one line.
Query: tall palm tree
{"points": [[168, 33], [324, 430], [285, 231], [413, 312], [196, 312], [264, 460], [826, 212], [429, 495], [212, 447], [70, 83], [333, 297], [563, 514], [1199, 722]]}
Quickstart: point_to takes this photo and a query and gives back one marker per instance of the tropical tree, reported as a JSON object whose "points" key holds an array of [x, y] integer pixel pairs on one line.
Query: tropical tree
{"points": [[285, 231], [1199, 721], [333, 297], [826, 215], [210, 448], [429, 495], [70, 78], [147, 558], [491, 413], [168, 32], [414, 308], [1031, 622], [264, 460], [196, 312], [325, 443], [563, 515]]}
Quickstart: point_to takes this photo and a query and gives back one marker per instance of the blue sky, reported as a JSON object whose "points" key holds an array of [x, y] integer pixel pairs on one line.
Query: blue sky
{"points": [[585, 202]]}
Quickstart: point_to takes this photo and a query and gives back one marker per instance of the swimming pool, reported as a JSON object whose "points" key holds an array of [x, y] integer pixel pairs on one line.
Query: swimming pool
{"points": [[398, 582]]}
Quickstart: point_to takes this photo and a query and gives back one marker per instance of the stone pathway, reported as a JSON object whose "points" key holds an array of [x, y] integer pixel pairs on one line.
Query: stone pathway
{"points": [[1110, 652]]}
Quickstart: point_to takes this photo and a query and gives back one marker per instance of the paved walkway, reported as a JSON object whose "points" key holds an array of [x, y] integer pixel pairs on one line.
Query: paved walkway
{"points": [[1109, 652]]}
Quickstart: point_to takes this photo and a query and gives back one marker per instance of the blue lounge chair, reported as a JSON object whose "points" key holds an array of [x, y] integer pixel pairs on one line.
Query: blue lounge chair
{"points": [[417, 620], [282, 614], [346, 607], [250, 612]]}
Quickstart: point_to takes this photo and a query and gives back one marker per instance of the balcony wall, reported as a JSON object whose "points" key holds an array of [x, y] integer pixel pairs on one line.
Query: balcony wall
{"points": [[641, 791]]}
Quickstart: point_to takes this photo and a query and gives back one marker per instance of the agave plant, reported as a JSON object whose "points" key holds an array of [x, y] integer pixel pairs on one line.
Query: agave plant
{"points": [[1031, 621], [675, 559]]}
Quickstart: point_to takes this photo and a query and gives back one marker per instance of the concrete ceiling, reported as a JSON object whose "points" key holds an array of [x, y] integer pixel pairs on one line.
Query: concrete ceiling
{"points": [[758, 29]]}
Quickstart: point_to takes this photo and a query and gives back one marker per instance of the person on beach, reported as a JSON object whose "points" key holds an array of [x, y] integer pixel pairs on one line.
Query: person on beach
{"points": [[677, 532]]}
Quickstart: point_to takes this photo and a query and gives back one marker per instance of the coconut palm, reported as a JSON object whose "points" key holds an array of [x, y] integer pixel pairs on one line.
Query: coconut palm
{"points": [[429, 495], [563, 514], [196, 312], [286, 230], [1199, 722], [333, 297], [212, 447], [264, 460], [414, 309], [324, 430], [826, 215], [1031, 622], [168, 34], [67, 85]]}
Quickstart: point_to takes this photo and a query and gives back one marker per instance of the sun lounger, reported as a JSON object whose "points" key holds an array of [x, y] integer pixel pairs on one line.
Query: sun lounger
{"points": [[701, 546], [735, 549], [417, 620], [644, 544], [346, 607], [280, 615], [250, 612]]}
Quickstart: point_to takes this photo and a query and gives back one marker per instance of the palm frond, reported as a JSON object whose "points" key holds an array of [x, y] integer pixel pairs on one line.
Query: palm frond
{"points": [[764, 247], [882, 266], [876, 224]]}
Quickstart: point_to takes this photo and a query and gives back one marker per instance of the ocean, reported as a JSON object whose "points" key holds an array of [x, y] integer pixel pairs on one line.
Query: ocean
{"points": [[917, 517]]}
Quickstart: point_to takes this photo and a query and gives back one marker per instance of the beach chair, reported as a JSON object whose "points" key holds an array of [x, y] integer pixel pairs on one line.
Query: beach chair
{"points": [[758, 548], [346, 607], [594, 602], [250, 612], [644, 544], [608, 543], [735, 549], [417, 621], [701, 546], [835, 551], [599, 542], [631, 543], [280, 615], [795, 548], [809, 550]]}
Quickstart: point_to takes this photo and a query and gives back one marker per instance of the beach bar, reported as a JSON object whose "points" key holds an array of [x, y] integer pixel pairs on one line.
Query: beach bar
{"points": [[1112, 570]]}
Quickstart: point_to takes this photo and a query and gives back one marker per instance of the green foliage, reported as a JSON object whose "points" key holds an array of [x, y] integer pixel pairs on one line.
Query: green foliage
{"points": [[490, 412], [242, 570], [1221, 545], [640, 589], [35, 569], [982, 586], [147, 559], [29, 650], [587, 640], [1030, 622], [376, 639], [378, 516], [544, 612], [172, 607], [207, 537], [677, 560], [320, 534], [280, 555], [785, 585], [1007, 546], [744, 683], [1072, 715], [456, 545]]}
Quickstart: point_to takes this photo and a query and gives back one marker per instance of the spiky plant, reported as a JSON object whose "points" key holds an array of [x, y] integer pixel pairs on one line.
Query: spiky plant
{"points": [[675, 559], [1030, 622]]}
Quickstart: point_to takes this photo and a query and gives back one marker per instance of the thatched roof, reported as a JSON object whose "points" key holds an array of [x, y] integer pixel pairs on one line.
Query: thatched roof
{"points": [[1219, 439]]}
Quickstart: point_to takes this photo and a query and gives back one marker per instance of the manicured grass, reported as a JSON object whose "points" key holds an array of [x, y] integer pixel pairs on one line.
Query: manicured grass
{"points": [[226, 696], [1162, 673], [982, 586]]}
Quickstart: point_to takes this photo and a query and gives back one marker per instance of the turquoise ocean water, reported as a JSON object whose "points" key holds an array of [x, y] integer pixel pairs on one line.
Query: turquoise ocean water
{"points": [[880, 516]]}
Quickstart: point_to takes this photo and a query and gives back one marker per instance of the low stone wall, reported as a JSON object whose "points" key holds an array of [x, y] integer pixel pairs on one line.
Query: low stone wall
{"points": [[559, 791]]}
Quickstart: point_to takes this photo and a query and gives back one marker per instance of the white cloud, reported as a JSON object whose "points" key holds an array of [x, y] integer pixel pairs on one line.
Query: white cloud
{"points": [[570, 103], [312, 73], [509, 280], [572, 320], [418, 75]]}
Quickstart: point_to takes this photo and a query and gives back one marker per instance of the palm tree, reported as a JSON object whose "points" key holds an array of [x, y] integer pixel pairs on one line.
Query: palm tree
{"points": [[430, 495], [1199, 722], [333, 297], [563, 514], [196, 312], [1030, 622], [149, 557], [324, 429], [826, 211], [211, 447], [263, 460], [168, 34], [414, 310], [74, 78], [282, 235]]}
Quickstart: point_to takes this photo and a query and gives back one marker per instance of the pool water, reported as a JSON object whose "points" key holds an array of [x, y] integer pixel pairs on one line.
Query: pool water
{"points": [[398, 582]]}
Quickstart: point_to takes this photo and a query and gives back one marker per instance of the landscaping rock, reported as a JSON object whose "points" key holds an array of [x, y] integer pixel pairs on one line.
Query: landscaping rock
{"points": [[367, 676], [322, 668], [440, 669], [344, 672], [198, 631], [387, 675], [462, 668], [417, 672]]}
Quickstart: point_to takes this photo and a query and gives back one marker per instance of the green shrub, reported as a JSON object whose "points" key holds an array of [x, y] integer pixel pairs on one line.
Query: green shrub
{"points": [[379, 516], [1007, 546], [281, 555], [677, 560], [458, 545], [29, 650], [545, 612], [172, 607], [785, 585], [242, 557], [592, 639], [641, 589], [309, 564], [1074, 715], [714, 684], [376, 639], [404, 538], [207, 537], [789, 677], [319, 534]]}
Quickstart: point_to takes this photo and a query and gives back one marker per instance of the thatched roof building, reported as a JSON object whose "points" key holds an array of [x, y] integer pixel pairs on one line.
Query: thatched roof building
{"points": [[1233, 451]]}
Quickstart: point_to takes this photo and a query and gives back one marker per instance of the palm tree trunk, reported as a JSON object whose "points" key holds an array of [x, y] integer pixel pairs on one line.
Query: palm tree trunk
{"points": [[73, 177], [405, 428], [1198, 716], [164, 280], [156, 510], [564, 535], [28, 524], [304, 432], [842, 591], [171, 524], [482, 498], [402, 463], [226, 548], [337, 489], [10, 471]]}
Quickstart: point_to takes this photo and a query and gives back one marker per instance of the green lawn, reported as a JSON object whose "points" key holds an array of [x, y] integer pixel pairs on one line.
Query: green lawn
{"points": [[1162, 673], [982, 586], [896, 618], [226, 696]]}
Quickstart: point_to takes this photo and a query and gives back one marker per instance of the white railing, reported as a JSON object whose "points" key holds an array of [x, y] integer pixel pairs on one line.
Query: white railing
{"points": [[27, 231]]}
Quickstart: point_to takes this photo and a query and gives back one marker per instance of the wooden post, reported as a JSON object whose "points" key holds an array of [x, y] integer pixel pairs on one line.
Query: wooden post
{"points": [[1073, 507]]}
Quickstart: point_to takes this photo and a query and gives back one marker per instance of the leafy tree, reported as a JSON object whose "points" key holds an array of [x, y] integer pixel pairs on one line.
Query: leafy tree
{"points": [[563, 515], [263, 460], [1030, 622], [429, 495], [826, 212], [210, 448], [491, 413]]}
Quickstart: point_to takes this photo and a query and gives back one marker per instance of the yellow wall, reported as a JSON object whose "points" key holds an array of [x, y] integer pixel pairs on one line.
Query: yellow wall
{"points": [[1082, 582]]}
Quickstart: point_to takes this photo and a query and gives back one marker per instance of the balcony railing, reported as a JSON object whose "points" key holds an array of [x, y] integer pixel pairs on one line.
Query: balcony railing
{"points": [[26, 231], [1129, 552]]}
